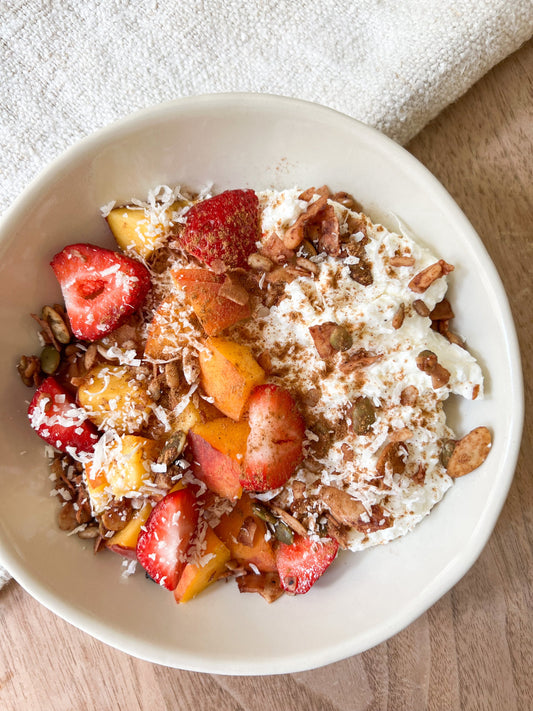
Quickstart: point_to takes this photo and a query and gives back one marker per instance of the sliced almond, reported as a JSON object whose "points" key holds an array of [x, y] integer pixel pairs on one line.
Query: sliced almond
{"points": [[470, 452], [343, 507], [423, 280]]}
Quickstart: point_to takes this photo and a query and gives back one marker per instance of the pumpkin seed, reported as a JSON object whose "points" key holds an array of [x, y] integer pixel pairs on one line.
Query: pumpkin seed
{"points": [[446, 452], [264, 513], [50, 360], [283, 533], [307, 249], [363, 415], [173, 448], [340, 339], [57, 325]]}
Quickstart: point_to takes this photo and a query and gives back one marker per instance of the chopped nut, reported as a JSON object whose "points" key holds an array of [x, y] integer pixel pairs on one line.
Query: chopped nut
{"points": [[398, 317], [329, 240], [66, 519], [266, 584], [427, 362], [311, 397], [423, 280], [282, 274], [339, 533], [173, 448], [307, 249], [359, 359], [393, 458], [377, 522], [362, 272], [29, 368], [172, 375], [442, 311], [295, 235], [343, 507], [420, 476], [117, 515], [308, 194], [233, 292], [470, 452], [275, 249], [89, 532], [402, 261], [321, 336], [260, 262], [247, 532], [291, 522], [347, 201], [402, 435], [307, 264], [420, 307]]}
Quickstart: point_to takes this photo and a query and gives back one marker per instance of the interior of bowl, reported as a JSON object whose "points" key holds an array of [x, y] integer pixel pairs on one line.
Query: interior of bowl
{"points": [[247, 141]]}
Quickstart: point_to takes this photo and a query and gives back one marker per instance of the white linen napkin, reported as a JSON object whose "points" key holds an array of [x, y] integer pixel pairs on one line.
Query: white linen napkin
{"points": [[70, 68]]}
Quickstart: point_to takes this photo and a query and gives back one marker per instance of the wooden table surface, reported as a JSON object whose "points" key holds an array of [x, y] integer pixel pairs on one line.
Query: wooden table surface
{"points": [[471, 650]]}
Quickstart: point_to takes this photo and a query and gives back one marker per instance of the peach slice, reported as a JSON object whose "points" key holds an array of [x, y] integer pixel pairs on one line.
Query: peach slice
{"points": [[218, 448], [260, 553], [203, 291], [197, 576], [229, 372]]}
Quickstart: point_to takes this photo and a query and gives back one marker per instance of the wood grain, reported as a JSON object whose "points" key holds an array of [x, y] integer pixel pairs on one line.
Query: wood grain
{"points": [[474, 648]]}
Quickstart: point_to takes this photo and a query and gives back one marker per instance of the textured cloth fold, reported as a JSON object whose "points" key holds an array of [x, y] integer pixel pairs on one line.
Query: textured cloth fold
{"points": [[70, 68]]}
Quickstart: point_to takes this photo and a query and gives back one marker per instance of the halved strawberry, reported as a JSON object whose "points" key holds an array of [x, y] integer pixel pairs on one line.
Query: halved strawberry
{"points": [[303, 562], [224, 227], [56, 418], [100, 287], [166, 537], [275, 444], [202, 288]]}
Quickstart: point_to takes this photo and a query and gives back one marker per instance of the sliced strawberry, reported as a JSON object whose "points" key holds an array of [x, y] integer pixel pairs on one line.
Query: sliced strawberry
{"points": [[100, 287], [56, 418], [275, 444], [303, 562], [166, 536], [202, 289], [224, 227]]}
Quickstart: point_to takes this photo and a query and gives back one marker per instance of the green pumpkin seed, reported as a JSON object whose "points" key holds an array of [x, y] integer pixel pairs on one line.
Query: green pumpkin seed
{"points": [[340, 339], [173, 447], [363, 415], [446, 452], [264, 513], [57, 325], [283, 533], [50, 360]]}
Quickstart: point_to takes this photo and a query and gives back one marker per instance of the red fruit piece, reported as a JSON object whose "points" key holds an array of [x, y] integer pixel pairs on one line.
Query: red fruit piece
{"points": [[303, 562], [56, 418], [202, 288], [166, 536], [275, 443], [224, 227], [100, 287]]}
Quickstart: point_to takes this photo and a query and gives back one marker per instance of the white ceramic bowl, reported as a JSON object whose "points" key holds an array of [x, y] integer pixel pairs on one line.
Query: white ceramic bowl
{"points": [[247, 141]]}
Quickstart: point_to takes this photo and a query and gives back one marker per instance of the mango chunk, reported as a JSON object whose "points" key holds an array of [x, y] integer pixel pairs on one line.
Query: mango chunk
{"points": [[133, 229], [229, 372], [114, 398], [127, 469], [260, 553], [163, 340], [196, 577], [125, 541]]}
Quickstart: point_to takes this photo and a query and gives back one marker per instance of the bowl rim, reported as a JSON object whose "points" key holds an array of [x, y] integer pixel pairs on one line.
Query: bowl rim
{"points": [[456, 569]]}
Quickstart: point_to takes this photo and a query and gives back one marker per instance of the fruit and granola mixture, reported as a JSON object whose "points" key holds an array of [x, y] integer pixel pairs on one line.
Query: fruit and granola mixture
{"points": [[253, 381]]}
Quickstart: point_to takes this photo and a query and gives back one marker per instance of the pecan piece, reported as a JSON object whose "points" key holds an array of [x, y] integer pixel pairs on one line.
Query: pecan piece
{"points": [[427, 362], [470, 452], [362, 272], [295, 234], [321, 336], [393, 457], [442, 311], [266, 584], [275, 250], [423, 280], [308, 194]]}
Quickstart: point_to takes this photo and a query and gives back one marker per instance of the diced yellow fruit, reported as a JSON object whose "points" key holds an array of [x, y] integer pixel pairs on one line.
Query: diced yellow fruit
{"points": [[126, 539], [97, 487], [225, 435], [114, 398], [196, 578], [189, 417], [127, 468], [229, 372], [133, 230], [164, 340]]}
